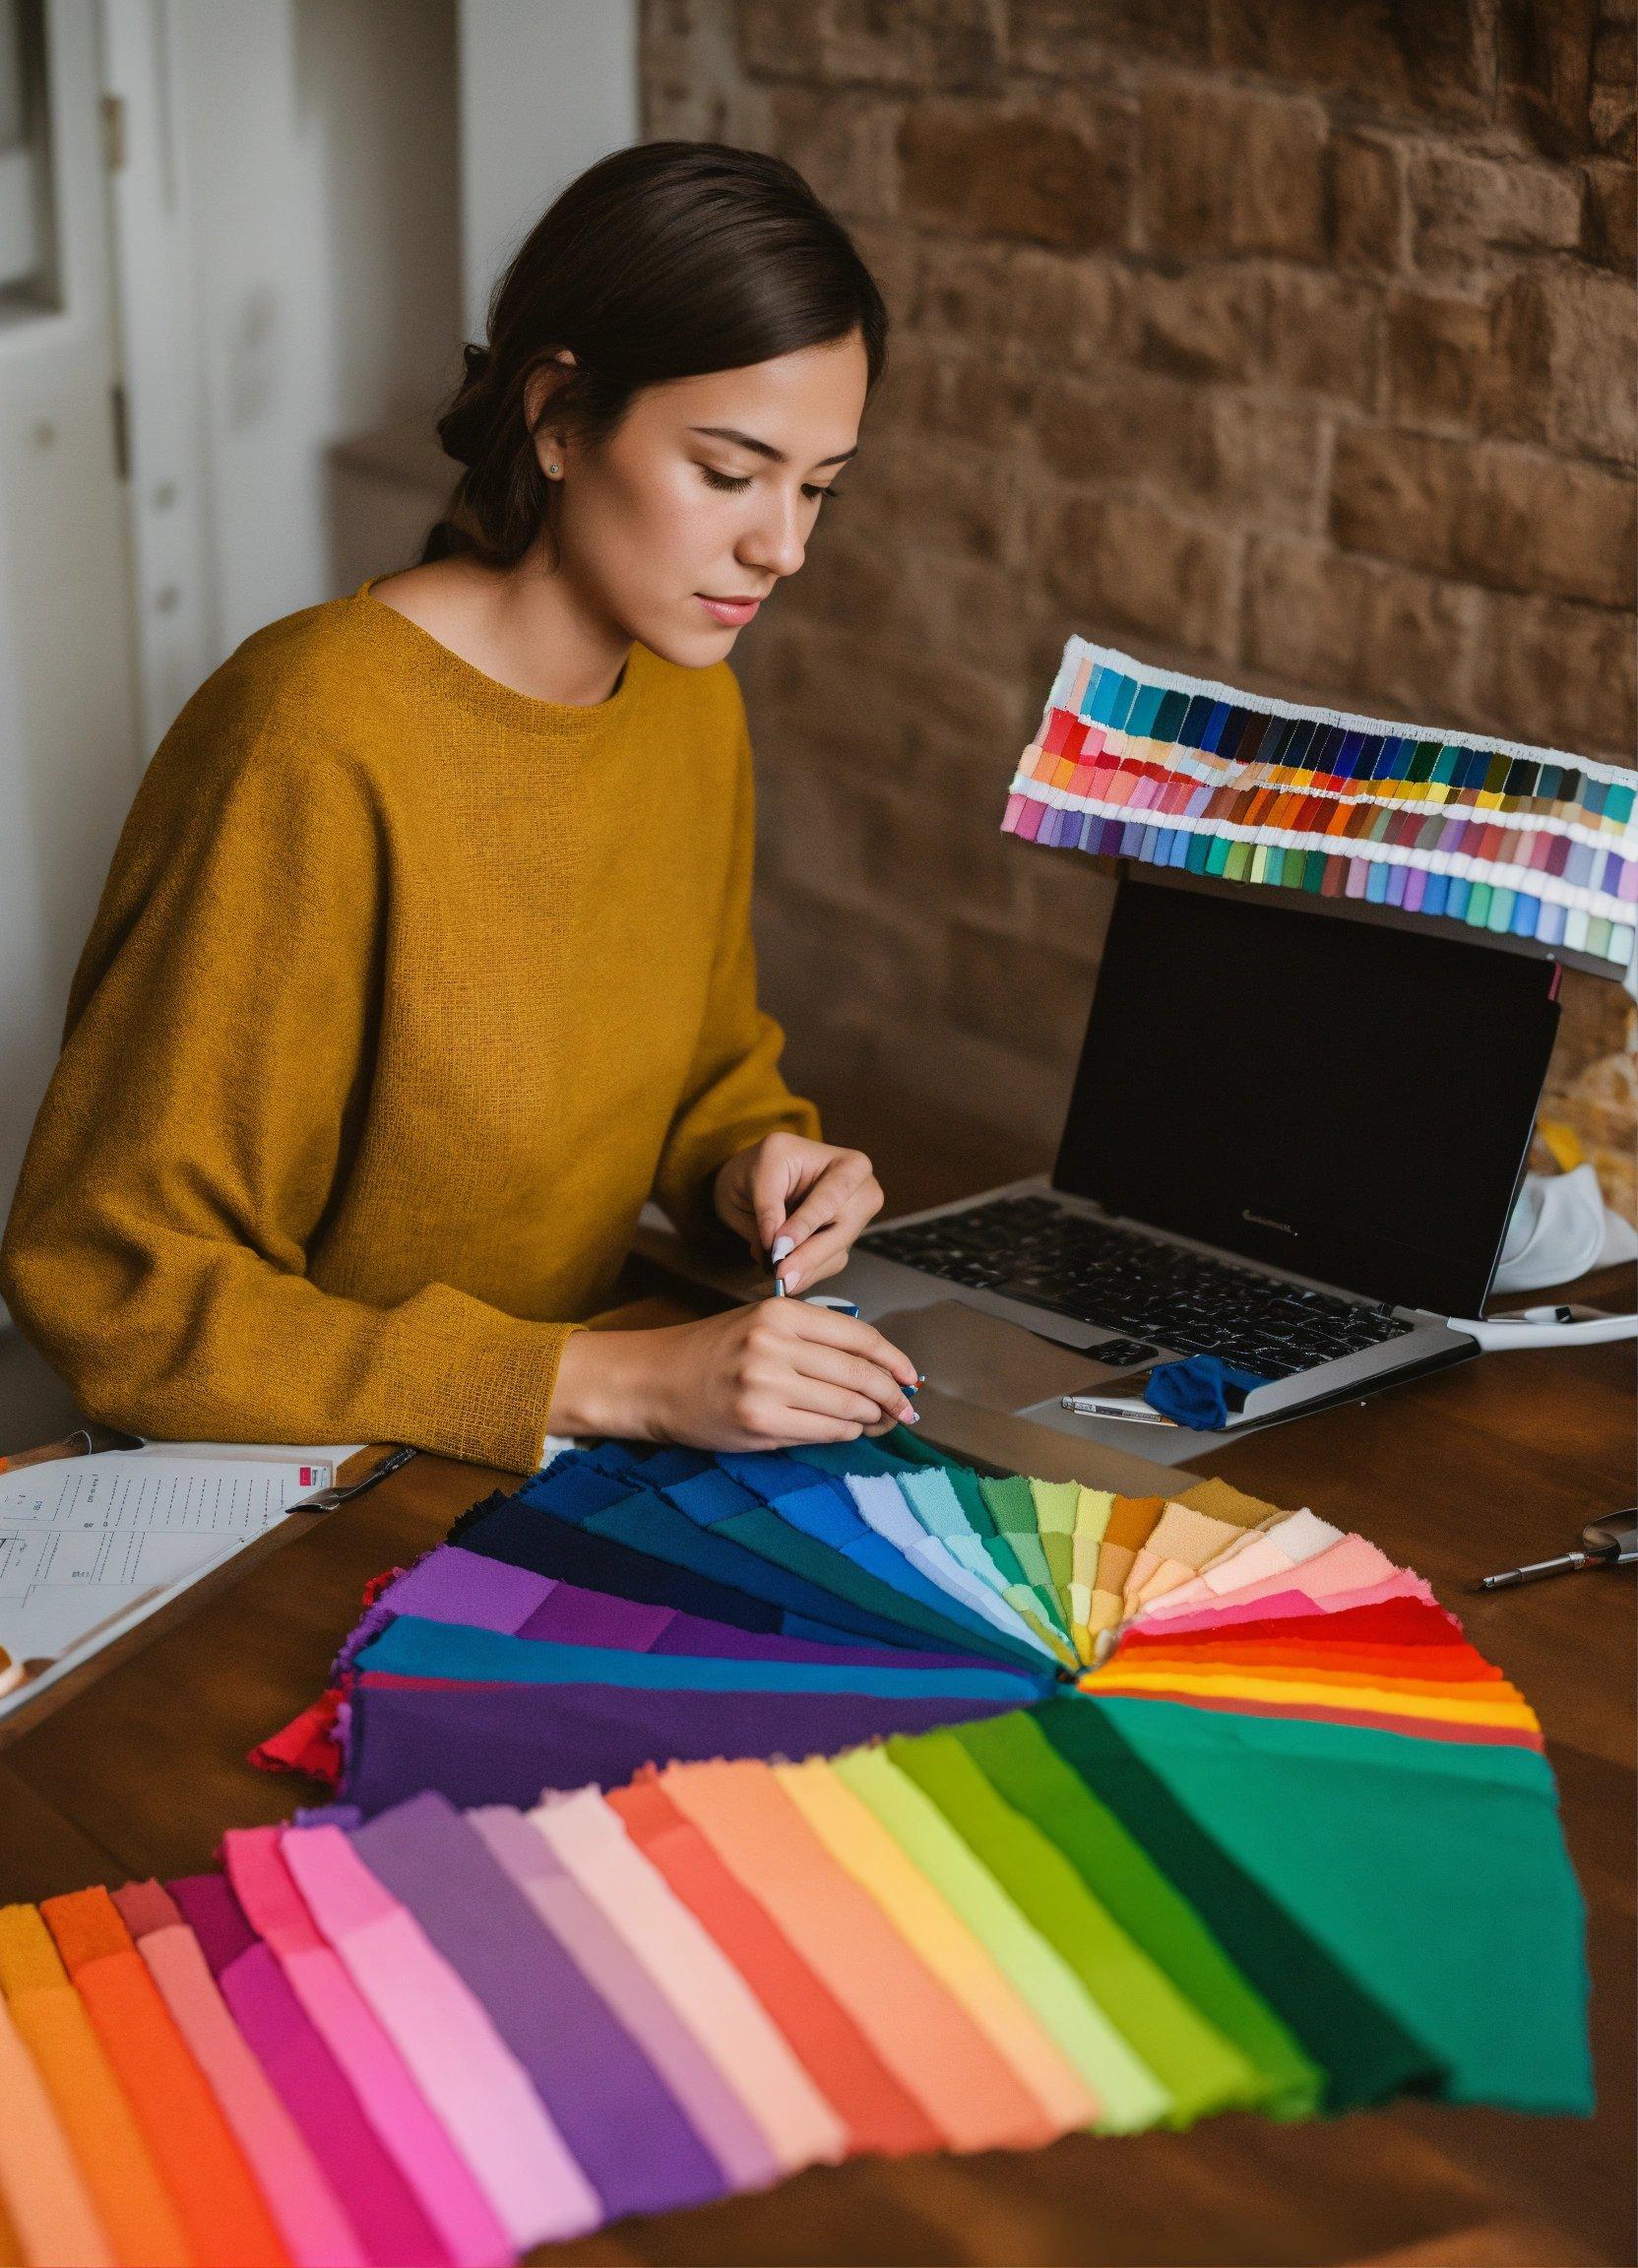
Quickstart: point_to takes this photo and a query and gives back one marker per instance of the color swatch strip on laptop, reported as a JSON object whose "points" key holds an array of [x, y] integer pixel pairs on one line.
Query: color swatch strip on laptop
{"points": [[1176, 771]]}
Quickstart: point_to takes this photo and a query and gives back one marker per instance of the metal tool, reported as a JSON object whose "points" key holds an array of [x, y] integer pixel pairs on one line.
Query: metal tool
{"points": [[1608, 1542], [327, 1499]]}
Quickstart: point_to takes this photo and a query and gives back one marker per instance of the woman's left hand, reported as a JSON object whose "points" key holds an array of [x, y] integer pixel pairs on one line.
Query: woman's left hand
{"points": [[815, 1195]]}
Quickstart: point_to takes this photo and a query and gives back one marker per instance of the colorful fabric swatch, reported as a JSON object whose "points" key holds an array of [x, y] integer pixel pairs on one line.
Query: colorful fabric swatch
{"points": [[1176, 771], [1208, 1808]]}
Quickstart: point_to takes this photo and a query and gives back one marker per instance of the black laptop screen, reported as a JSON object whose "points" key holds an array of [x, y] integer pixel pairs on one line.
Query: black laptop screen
{"points": [[1341, 1098]]}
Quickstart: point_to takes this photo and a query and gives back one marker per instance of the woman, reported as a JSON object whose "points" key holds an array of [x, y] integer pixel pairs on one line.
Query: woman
{"points": [[425, 958]]}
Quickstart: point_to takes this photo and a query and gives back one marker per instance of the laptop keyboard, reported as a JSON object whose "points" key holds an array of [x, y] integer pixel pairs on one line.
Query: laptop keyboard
{"points": [[1156, 1294]]}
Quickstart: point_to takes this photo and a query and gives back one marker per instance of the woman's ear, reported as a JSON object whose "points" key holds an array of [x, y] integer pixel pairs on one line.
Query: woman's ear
{"points": [[539, 388]]}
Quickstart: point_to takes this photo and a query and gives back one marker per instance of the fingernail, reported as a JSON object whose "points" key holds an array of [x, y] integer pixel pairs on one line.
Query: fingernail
{"points": [[913, 1389], [921, 1377], [782, 1245], [910, 1416]]}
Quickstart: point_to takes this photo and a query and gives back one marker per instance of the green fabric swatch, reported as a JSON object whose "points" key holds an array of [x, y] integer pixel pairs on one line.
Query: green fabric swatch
{"points": [[1025, 1767], [1129, 2095], [1192, 2060], [1056, 1503], [1429, 1871], [1013, 1509], [1365, 2053]]}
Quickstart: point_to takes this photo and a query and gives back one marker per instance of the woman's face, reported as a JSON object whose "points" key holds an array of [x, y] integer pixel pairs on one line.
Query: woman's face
{"points": [[684, 520]]}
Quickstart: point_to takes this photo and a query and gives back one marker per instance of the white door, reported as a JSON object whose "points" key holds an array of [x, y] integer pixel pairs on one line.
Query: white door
{"points": [[70, 751]]}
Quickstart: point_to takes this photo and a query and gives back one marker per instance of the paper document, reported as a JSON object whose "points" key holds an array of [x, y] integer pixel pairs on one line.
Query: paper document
{"points": [[91, 1544]]}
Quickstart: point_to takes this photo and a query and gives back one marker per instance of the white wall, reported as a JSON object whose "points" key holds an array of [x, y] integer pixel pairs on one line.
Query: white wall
{"points": [[546, 88], [322, 154]]}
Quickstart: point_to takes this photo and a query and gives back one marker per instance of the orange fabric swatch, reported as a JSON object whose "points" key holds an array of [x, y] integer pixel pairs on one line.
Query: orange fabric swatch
{"points": [[880, 2114], [118, 2167], [54, 2217], [221, 2209], [926, 2036]]}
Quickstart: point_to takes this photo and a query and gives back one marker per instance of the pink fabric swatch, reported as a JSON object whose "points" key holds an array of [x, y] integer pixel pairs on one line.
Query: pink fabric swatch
{"points": [[310, 2217], [394, 2104]]}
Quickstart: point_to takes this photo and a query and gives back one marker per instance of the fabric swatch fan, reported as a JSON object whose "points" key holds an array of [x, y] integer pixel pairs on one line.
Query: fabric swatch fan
{"points": [[966, 1811]]}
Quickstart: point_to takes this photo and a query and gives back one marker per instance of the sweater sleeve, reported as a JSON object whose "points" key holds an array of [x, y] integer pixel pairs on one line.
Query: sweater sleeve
{"points": [[735, 1094], [218, 1047]]}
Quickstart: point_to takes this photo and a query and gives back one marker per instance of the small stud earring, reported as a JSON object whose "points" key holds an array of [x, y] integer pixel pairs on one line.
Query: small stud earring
{"points": [[553, 470]]}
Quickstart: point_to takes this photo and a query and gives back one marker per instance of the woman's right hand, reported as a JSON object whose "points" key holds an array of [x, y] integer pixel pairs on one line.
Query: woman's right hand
{"points": [[764, 1376]]}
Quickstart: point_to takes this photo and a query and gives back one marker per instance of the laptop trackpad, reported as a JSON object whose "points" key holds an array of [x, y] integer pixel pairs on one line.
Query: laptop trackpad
{"points": [[982, 1359]]}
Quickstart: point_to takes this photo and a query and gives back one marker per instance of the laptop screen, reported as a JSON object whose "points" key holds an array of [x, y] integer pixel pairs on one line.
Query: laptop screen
{"points": [[1349, 1101]]}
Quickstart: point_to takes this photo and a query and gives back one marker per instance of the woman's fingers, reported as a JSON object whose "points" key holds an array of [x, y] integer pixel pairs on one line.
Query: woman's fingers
{"points": [[780, 1321], [863, 1379], [843, 1189], [824, 1225]]}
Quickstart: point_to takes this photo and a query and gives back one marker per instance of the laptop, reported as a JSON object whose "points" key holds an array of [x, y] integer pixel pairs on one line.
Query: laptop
{"points": [[1293, 1141]]}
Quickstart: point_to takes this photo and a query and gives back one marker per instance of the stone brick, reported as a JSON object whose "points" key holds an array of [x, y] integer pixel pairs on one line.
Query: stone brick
{"points": [[890, 254], [1545, 69], [967, 501], [916, 43], [1127, 564], [1065, 38], [1067, 900], [1613, 214], [1438, 358], [1046, 176], [1592, 321], [1359, 630], [691, 85], [954, 856], [1610, 101], [1512, 519], [1229, 172], [780, 39], [842, 143], [1207, 322], [1017, 994], [969, 397], [1426, 55], [1461, 204], [1563, 367], [1021, 295], [813, 827], [1558, 673], [1128, 428], [878, 964], [1323, 336], [1365, 202], [1267, 461]]}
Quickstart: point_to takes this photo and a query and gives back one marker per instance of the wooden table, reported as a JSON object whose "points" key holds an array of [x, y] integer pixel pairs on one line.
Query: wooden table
{"points": [[1478, 1467]]}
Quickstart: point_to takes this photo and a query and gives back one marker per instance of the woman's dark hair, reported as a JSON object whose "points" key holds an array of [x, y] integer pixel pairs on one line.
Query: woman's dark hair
{"points": [[663, 261]]}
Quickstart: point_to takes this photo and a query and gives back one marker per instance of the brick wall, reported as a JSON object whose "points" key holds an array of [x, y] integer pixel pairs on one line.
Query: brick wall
{"points": [[1289, 339]]}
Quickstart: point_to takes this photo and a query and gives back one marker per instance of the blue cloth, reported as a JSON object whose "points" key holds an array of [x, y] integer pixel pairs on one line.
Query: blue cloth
{"points": [[412, 1647], [1200, 1393]]}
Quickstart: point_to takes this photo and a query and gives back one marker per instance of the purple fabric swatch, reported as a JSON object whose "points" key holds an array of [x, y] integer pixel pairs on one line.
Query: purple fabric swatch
{"points": [[451, 1585], [619, 2119], [507, 1743]]}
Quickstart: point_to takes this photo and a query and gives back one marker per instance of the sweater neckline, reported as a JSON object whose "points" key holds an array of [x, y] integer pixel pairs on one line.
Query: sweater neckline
{"points": [[562, 721]]}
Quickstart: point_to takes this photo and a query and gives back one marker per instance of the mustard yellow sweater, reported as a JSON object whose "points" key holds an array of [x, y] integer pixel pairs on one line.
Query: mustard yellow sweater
{"points": [[405, 992]]}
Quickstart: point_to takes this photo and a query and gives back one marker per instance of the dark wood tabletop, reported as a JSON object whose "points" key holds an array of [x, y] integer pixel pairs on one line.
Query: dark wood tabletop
{"points": [[1478, 1467]]}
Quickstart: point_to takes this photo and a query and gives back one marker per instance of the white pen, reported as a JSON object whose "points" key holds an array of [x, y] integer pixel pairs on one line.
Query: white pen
{"points": [[1137, 1413]]}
